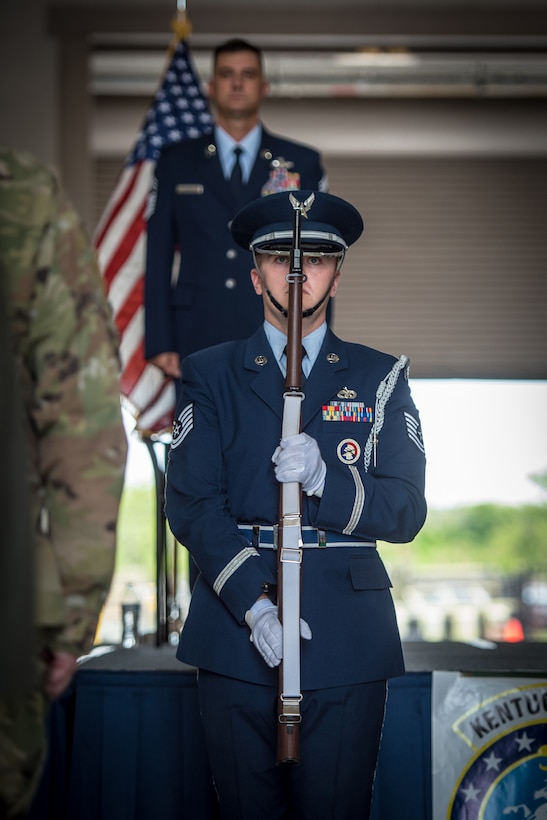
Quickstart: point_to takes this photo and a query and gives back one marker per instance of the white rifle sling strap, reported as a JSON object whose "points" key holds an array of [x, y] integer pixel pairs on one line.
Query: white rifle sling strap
{"points": [[291, 561]]}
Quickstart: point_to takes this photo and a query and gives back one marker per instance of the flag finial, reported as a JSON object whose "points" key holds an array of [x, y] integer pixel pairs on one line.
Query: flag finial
{"points": [[181, 26]]}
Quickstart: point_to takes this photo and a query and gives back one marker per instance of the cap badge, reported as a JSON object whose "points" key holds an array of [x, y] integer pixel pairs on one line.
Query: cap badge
{"points": [[346, 393], [332, 358], [303, 207], [261, 360]]}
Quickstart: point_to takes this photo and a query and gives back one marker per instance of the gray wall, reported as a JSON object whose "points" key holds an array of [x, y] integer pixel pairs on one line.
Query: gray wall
{"points": [[28, 79]]}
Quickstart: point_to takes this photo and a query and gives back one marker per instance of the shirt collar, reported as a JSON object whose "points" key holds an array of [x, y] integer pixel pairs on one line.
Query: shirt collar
{"points": [[249, 144], [278, 341]]}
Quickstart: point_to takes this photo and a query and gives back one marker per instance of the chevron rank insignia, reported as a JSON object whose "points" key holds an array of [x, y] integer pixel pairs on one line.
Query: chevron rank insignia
{"points": [[183, 425]]}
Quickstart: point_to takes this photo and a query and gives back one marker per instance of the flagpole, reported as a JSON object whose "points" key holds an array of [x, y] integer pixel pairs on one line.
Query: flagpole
{"points": [[166, 587]]}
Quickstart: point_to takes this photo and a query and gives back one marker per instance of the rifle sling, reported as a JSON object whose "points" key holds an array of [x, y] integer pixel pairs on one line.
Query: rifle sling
{"points": [[291, 563]]}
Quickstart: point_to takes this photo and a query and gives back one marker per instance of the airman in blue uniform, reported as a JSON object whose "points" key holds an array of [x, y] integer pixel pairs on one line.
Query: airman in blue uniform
{"points": [[360, 461], [193, 201]]}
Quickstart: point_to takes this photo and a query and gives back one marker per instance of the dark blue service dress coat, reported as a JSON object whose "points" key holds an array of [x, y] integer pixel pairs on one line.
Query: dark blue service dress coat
{"points": [[220, 475], [190, 208]]}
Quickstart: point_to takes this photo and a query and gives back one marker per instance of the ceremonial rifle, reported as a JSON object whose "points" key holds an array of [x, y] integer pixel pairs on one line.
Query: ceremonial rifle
{"points": [[289, 540]]}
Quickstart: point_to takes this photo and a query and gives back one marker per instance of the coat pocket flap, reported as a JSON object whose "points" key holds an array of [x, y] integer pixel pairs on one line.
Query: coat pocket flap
{"points": [[368, 572]]}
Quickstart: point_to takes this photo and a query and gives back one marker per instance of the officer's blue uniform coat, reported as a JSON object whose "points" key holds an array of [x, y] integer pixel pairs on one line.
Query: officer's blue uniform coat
{"points": [[190, 207], [220, 473]]}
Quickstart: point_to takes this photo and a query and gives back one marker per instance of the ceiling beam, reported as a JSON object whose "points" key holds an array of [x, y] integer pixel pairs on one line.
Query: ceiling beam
{"points": [[372, 24]]}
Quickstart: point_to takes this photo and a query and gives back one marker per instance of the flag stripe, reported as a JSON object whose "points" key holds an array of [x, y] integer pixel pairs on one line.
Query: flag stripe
{"points": [[151, 384], [132, 337], [133, 209], [126, 292], [125, 246], [133, 369], [128, 309], [160, 416], [123, 189]]}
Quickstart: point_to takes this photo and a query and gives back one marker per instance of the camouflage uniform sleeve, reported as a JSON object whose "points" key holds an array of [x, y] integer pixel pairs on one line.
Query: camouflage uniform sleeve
{"points": [[82, 441], [69, 355]]}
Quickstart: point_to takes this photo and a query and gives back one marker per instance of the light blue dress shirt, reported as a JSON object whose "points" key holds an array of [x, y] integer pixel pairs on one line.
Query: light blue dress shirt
{"points": [[249, 149], [312, 344]]}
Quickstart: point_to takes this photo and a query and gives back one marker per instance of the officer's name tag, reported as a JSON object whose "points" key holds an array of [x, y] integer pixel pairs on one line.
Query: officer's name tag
{"points": [[189, 188], [347, 411]]}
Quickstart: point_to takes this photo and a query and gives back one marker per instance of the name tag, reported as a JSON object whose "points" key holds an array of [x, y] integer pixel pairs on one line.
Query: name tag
{"points": [[184, 188]]}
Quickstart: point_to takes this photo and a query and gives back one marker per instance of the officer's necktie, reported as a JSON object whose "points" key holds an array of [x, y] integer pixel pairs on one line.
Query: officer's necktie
{"points": [[236, 178]]}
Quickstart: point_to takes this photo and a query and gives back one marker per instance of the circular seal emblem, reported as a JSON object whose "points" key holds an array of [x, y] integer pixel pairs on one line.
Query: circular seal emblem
{"points": [[509, 776], [348, 451]]}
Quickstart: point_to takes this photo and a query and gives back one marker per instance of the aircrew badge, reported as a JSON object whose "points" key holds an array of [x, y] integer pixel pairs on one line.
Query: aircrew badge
{"points": [[280, 178]]}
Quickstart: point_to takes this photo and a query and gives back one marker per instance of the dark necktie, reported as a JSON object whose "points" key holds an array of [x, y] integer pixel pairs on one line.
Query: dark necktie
{"points": [[304, 354], [236, 178]]}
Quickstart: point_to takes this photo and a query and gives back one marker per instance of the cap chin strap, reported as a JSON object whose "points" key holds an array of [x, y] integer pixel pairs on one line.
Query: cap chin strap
{"points": [[279, 307], [305, 313]]}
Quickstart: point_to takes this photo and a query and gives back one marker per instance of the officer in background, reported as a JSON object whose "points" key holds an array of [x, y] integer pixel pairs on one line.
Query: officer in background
{"points": [[64, 345], [199, 185], [361, 464]]}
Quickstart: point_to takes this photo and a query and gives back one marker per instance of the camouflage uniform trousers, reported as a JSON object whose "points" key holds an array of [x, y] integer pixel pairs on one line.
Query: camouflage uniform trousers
{"points": [[23, 744]]}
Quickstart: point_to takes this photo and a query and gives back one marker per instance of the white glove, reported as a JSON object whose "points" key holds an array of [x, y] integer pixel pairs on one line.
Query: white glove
{"points": [[298, 458], [267, 632]]}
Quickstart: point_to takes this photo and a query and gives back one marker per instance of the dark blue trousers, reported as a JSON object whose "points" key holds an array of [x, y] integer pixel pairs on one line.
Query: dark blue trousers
{"points": [[339, 741]]}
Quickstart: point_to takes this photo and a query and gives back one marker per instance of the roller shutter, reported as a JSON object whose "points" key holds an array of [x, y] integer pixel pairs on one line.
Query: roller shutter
{"points": [[452, 266]]}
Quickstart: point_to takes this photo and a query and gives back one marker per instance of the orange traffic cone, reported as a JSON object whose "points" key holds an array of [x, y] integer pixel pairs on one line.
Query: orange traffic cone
{"points": [[512, 630]]}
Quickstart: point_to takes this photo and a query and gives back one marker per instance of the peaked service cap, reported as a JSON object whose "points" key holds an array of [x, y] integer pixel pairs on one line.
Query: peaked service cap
{"points": [[331, 222]]}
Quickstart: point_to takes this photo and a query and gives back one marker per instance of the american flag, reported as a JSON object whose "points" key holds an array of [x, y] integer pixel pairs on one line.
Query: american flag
{"points": [[178, 111]]}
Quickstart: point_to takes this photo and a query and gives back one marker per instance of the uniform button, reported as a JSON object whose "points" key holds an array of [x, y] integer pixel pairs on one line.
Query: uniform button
{"points": [[231, 253], [230, 283]]}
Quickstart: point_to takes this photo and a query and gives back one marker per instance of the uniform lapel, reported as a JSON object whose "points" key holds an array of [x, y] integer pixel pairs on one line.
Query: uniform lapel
{"points": [[212, 175], [325, 380], [261, 168], [326, 377], [265, 378]]}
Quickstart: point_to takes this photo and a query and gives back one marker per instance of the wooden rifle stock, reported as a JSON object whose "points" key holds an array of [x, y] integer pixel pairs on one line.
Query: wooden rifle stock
{"points": [[290, 513]]}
